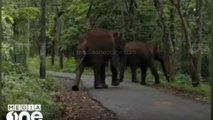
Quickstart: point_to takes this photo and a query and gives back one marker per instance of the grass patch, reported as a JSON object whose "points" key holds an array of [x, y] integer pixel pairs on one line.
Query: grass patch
{"points": [[182, 84], [69, 65], [22, 87]]}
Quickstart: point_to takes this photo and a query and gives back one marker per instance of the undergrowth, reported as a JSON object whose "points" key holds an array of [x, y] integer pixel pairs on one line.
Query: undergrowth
{"points": [[22, 87]]}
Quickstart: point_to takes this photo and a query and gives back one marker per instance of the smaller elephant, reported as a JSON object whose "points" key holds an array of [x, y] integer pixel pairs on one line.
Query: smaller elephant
{"points": [[140, 54]]}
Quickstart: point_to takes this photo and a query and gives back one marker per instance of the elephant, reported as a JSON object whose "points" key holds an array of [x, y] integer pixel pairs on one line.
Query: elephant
{"points": [[96, 49], [141, 54]]}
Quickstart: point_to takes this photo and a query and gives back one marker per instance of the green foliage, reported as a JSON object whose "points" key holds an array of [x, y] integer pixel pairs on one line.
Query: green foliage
{"points": [[70, 36], [27, 13], [69, 64], [22, 87], [6, 49], [142, 24], [7, 22], [183, 84]]}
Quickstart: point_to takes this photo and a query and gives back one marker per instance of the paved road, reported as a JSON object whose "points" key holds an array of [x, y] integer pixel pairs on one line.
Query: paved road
{"points": [[132, 101]]}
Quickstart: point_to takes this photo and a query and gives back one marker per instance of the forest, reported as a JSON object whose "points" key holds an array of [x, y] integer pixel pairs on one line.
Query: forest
{"points": [[39, 36]]}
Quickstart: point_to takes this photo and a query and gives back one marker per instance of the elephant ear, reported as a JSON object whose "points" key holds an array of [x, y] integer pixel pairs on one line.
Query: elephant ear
{"points": [[116, 34], [157, 48], [158, 53]]}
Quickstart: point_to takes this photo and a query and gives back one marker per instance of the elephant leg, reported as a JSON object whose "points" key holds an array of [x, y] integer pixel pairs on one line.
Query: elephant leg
{"points": [[134, 74], [113, 67], [79, 72], [103, 74], [114, 71], [122, 68], [99, 72], [143, 75], [154, 72]]}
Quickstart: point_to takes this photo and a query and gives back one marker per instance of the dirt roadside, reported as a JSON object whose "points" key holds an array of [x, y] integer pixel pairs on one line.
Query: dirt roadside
{"points": [[78, 105]]}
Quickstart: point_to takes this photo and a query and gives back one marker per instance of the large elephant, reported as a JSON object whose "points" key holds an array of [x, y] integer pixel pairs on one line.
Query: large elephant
{"points": [[96, 49], [140, 54]]}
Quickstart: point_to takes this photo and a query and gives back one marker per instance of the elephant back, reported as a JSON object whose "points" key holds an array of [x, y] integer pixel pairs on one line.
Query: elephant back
{"points": [[99, 39], [139, 48]]}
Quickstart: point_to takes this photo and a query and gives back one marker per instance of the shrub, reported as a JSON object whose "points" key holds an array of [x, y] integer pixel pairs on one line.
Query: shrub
{"points": [[22, 87]]}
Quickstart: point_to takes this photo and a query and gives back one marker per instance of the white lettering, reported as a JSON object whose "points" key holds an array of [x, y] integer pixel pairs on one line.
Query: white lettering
{"points": [[10, 107], [36, 116], [30, 107], [33, 114], [22, 114], [37, 107]]}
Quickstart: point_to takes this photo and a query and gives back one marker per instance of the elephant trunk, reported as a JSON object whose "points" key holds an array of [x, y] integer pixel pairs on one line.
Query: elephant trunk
{"points": [[164, 70]]}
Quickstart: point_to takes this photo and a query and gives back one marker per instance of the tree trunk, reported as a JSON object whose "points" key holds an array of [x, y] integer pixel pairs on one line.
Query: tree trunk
{"points": [[89, 12], [61, 59], [169, 56], [1, 39], [58, 34], [53, 52], [172, 28], [123, 20], [53, 45], [199, 38], [211, 61], [130, 9], [172, 37], [191, 67], [43, 42]]}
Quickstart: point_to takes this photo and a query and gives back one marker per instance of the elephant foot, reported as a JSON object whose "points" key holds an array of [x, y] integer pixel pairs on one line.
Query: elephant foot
{"points": [[134, 81], [115, 83], [143, 83], [120, 80], [157, 82], [101, 86], [75, 88]]}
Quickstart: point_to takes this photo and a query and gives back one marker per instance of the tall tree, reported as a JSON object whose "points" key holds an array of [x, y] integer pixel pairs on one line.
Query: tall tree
{"points": [[172, 22], [54, 40], [166, 38], [88, 13], [173, 44], [123, 30], [188, 52], [211, 59], [199, 38], [43, 42], [58, 32], [131, 6], [1, 39]]}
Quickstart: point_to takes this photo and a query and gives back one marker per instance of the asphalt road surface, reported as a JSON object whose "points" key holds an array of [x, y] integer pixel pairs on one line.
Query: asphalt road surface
{"points": [[131, 101]]}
